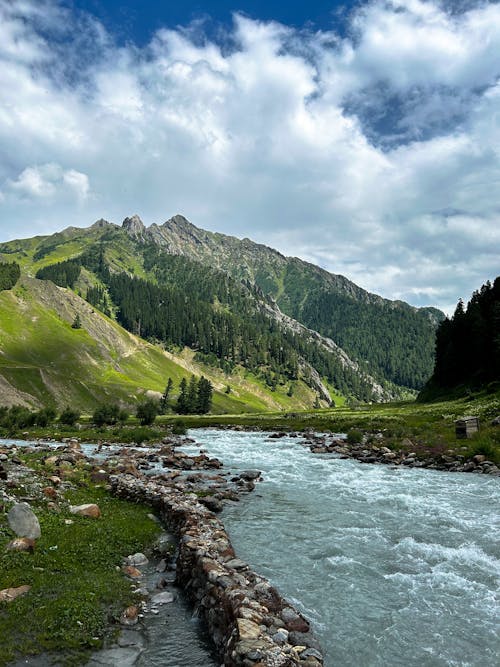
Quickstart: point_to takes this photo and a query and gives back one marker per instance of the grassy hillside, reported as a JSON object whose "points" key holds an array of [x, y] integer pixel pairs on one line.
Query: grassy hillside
{"points": [[44, 361]]}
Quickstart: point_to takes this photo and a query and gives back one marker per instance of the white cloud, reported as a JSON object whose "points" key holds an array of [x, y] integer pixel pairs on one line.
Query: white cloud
{"points": [[47, 181], [375, 155]]}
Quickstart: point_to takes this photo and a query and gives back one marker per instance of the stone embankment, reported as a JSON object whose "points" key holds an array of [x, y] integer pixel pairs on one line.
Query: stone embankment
{"points": [[250, 623], [376, 453]]}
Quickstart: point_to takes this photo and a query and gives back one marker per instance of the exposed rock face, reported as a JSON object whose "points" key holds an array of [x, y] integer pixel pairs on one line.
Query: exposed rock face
{"points": [[23, 521], [247, 618], [135, 228]]}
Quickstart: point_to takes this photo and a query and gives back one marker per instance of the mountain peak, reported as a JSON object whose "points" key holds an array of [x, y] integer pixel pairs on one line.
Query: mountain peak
{"points": [[178, 221], [134, 227], [98, 224]]}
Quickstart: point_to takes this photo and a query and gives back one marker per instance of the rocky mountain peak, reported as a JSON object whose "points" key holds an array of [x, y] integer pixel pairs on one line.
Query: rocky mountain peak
{"points": [[99, 224], [134, 227]]}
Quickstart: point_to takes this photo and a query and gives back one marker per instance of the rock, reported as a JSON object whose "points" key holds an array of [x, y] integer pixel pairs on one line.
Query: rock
{"points": [[131, 638], [304, 639], [247, 629], [23, 521], [162, 565], [496, 421], [132, 571], [236, 564], [3, 472], [211, 503], [137, 559], [90, 510], [125, 657], [250, 475], [49, 492], [479, 458], [10, 594], [162, 598], [21, 544], [130, 616]]}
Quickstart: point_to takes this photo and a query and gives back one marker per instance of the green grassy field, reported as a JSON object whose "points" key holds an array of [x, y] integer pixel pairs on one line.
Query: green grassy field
{"points": [[77, 587]]}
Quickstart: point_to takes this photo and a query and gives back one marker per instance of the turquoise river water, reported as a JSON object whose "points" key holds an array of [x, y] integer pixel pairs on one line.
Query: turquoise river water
{"points": [[393, 566]]}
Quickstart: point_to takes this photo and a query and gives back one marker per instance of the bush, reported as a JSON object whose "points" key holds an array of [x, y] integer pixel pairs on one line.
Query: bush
{"points": [[354, 436], [69, 416], [106, 414], [147, 411], [179, 428], [45, 417]]}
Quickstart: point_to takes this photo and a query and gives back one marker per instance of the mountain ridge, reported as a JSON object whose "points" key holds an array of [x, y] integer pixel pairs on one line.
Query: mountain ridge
{"points": [[301, 299]]}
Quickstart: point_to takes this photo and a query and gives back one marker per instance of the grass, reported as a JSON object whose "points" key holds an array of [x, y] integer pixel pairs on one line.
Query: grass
{"points": [[77, 586], [45, 359]]}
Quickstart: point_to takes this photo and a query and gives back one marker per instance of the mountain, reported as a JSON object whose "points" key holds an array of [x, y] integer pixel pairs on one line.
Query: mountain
{"points": [[238, 308]]}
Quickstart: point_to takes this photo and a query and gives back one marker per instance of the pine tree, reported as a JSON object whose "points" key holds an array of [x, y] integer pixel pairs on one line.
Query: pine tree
{"points": [[192, 396], [182, 398], [77, 324], [165, 397], [205, 392]]}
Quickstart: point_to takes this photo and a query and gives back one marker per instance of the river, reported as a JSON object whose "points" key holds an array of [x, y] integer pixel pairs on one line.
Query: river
{"points": [[394, 566]]}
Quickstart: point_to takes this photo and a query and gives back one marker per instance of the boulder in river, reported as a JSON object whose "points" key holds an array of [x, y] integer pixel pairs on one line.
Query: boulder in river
{"points": [[23, 521]]}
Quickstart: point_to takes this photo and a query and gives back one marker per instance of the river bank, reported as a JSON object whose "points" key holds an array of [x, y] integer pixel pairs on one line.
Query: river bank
{"points": [[246, 617]]}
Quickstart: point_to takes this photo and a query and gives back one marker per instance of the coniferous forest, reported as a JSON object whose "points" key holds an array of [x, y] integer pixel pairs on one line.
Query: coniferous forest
{"points": [[184, 303], [468, 343], [9, 275]]}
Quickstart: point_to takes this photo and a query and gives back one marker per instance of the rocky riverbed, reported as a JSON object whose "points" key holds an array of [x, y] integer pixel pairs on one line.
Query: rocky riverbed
{"points": [[247, 619], [370, 450]]}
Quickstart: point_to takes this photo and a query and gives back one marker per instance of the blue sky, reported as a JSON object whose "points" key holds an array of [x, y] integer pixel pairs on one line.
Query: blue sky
{"points": [[364, 137], [137, 20]]}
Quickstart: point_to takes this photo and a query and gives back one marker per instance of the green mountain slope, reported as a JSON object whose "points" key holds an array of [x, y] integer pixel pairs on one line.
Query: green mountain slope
{"points": [[44, 361], [244, 310]]}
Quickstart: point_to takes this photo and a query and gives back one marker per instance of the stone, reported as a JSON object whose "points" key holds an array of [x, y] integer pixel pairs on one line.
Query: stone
{"points": [[21, 544], [125, 657], [132, 571], [23, 521], [10, 594], [247, 629], [129, 638], [137, 559], [479, 458], [211, 503], [90, 510], [236, 564], [250, 475], [49, 492], [496, 421], [162, 598], [130, 616]]}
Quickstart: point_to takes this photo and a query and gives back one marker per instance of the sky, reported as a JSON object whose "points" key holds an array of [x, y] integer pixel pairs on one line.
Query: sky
{"points": [[361, 136]]}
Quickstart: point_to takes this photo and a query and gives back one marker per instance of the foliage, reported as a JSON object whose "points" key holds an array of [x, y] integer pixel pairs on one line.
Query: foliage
{"points": [[163, 406], [64, 274], [69, 416], [195, 397], [77, 323], [147, 412], [106, 414], [354, 436], [10, 273], [468, 344]]}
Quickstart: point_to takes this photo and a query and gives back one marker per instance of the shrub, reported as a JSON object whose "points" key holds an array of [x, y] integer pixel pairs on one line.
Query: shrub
{"points": [[69, 416], [106, 414], [147, 411], [354, 436]]}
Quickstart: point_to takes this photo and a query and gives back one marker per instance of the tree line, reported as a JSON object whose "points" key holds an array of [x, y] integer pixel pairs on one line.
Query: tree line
{"points": [[468, 343]]}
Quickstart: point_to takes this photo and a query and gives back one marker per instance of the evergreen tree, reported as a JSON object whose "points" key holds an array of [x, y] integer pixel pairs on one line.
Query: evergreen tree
{"points": [[77, 323], [192, 396], [164, 399], [182, 403], [204, 398]]}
